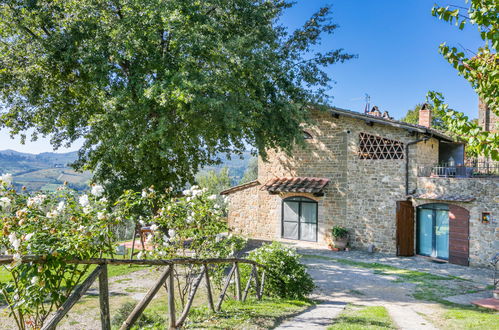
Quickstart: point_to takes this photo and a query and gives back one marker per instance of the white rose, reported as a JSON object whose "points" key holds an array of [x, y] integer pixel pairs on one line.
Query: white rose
{"points": [[144, 193], [36, 201], [34, 280], [83, 200], [28, 237], [61, 206], [171, 233], [186, 192], [87, 209], [16, 244], [5, 202], [97, 190], [6, 179], [101, 215], [154, 227], [52, 214], [212, 197]]}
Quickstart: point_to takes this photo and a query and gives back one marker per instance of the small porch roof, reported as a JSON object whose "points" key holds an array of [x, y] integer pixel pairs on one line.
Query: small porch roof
{"points": [[297, 184]]}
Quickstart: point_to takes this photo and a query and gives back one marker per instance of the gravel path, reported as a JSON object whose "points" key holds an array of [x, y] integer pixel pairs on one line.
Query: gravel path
{"points": [[341, 283], [348, 284]]}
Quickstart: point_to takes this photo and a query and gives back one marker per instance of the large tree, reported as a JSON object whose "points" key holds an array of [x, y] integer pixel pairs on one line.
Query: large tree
{"points": [[480, 68], [157, 88]]}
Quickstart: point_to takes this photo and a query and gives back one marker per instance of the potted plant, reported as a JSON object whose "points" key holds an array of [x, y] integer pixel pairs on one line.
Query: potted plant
{"points": [[340, 237]]}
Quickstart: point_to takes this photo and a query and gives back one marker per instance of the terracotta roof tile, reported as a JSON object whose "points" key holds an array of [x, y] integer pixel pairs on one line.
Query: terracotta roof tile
{"points": [[296, 184]]}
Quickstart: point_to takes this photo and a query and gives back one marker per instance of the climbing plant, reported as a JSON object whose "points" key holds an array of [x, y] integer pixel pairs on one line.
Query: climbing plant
{"points": [[59, 227], [480, 68]]}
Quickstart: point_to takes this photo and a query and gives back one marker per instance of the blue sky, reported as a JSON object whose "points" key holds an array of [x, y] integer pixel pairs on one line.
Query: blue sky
{"points": [[398, 61]]}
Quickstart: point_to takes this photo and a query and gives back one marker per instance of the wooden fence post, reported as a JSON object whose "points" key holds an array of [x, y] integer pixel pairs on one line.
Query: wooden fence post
{"points": [[105, 318], [262, 284], [171, 299], [208, 288], [257, 283], [226, 286], [248, 285], [187, 307], [72, 299], [139, 308], [238, 281]]}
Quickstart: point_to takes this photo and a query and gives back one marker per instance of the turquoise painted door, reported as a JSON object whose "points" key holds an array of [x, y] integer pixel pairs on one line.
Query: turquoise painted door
{"points": [[433, 231]]}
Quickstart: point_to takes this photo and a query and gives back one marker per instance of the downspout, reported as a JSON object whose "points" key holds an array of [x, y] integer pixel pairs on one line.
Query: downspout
{"points": [[407, 161]]}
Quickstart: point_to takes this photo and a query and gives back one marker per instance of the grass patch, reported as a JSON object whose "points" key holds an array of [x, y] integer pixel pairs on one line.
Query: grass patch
{"points": [[468, 318], [360, 318], [252, 314]]}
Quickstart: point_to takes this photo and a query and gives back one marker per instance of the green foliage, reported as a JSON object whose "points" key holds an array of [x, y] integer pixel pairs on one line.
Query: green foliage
{"points": [[157, 88], [286, 276], [251, 172], [215, 182], [412, 117], [338, 231], [478, 141], [59, 227], [481, 70]]}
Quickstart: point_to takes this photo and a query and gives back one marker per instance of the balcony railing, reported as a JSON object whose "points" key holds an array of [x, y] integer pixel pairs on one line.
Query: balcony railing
{"points": [[471, 169]]}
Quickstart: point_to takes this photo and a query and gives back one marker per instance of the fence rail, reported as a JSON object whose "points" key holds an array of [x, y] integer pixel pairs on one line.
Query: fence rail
{"points": [[470, 169], [166, 277]]}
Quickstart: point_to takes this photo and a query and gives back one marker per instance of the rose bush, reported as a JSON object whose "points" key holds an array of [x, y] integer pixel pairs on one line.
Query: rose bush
{"points": [[59, 227], [187, 224]]}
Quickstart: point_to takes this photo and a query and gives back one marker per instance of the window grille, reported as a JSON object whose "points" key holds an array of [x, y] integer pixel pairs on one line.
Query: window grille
{"points": [[375, 147]]}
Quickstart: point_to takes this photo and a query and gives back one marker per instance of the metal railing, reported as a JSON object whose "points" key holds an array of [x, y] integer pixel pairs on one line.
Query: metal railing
{"points": [[470, 169], [167, 276]]}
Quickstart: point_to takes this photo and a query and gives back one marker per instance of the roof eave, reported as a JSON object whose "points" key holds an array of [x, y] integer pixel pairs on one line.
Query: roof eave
{"points": [[399, 124]]}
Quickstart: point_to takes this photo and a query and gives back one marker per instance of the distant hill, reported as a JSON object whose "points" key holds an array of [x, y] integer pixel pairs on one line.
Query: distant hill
{"points": [[46, 171]]}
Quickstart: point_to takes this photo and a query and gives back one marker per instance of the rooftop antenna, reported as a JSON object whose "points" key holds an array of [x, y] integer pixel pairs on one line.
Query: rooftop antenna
{"points": [[368, 103]]}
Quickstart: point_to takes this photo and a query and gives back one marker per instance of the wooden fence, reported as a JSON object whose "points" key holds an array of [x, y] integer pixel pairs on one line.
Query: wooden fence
{"points": [[174, 323]]}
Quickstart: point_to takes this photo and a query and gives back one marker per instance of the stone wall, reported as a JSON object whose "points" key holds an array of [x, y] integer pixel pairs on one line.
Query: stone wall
{"points": [[484, 238], [362, 194]]}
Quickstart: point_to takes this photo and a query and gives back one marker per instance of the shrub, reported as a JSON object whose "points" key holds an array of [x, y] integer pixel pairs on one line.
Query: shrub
{"points": [[126, 309], [286, 277], [339, 231]]}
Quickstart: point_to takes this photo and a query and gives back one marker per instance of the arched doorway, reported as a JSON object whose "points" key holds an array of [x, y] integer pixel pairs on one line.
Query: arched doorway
{"points": [[442, 231], [432, 230], [299, 218]]}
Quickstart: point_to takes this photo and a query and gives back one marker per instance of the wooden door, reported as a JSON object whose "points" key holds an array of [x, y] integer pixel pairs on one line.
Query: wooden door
{"points": [[405, 229], [459, 231]]}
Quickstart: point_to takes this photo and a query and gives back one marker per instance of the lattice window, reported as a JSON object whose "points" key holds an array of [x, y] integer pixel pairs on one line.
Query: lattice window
{"points": [[375, 147]]}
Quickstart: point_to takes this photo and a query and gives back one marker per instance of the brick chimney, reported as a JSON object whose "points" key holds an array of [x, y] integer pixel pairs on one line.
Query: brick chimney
{"points": [[425, 116]]}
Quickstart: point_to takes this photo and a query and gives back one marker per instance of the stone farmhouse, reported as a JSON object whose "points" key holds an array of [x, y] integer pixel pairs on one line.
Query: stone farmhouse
{"points": [[398, 188]]}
